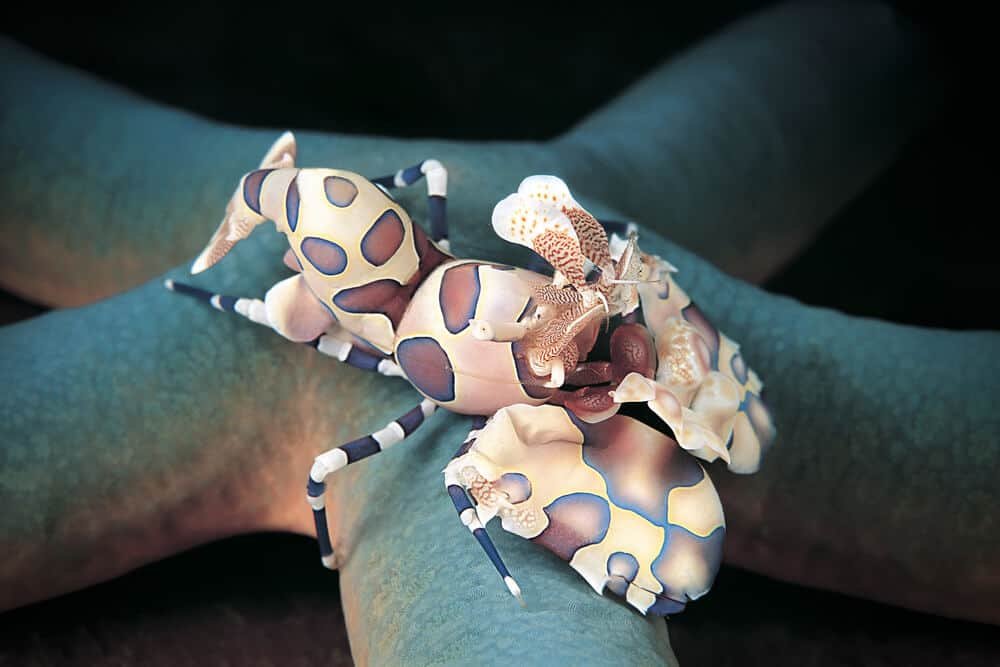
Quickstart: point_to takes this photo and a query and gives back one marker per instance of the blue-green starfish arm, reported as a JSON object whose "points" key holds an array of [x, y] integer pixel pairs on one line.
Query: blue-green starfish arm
{"points": [[739, 150]]}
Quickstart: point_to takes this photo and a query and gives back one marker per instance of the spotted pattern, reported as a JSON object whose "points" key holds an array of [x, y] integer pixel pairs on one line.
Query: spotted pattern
{"points": [[521, 219], [739, 368], [687, 564], [428, 368], [367, 298], [382, 241], [575, 520], [390, 297], [328, 257], [694, 315], [252, 186], [459, 295], [292, 204], [640, 472], [339, 191], [515, 485]]}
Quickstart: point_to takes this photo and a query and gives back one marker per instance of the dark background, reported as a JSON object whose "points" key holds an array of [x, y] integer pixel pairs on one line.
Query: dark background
{"points": [[915, 248]]}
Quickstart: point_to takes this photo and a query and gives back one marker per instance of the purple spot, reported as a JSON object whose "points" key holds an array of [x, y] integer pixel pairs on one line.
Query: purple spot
{"points": [[664, 292], [251, 188], [575, 521], [383, 239], [328, 257], [459, 296], [292, 204], [339, 191], [640, 465], [515, 485], [428, 368], [623, 565], [622, 568], [368, 298], [683, 545]]}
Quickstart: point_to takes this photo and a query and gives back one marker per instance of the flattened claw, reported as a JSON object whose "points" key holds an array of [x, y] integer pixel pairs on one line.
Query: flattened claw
{"points": [[235, 227], [618, 500], [703, 388], [281, 153], [240, 219]]}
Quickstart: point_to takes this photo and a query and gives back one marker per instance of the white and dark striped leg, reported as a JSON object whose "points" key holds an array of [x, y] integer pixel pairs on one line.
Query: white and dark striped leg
{"points": [[467, 514], [437, 194], [256, 311], [333, 460], [352, 355]]}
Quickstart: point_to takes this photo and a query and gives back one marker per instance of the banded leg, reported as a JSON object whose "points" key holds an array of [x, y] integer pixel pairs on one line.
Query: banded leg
{"points": [[467, 514], [256, 310], [333, 460], [437, 194]]}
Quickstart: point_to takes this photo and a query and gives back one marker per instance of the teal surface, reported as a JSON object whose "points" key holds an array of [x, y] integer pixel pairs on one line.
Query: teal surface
{"points": [[145, 423]]}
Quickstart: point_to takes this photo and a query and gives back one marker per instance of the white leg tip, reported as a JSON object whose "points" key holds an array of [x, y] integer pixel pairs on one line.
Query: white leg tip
{"points": [[514, 589], [430, 165], [169, 284], [329, 562], [390, 369]]}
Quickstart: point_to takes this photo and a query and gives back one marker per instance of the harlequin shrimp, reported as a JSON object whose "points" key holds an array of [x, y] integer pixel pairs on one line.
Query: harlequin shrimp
{"points": [[595, 390]]}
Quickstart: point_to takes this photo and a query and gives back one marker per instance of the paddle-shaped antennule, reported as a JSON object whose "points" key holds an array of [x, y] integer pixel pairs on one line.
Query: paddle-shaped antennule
{"points": [[590, 235], [243, 210], [533, 217], [593, 238]]}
